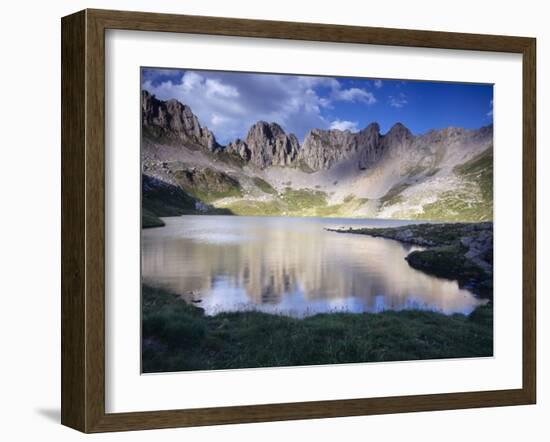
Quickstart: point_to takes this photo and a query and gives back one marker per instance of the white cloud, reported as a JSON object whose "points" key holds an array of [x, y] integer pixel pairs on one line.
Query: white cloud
{"points": [[398, 101], [219, 120], [353, 94], [190, 81], [344, 125], [378, 84], [490, 113], [229, 103], [215, 87]]}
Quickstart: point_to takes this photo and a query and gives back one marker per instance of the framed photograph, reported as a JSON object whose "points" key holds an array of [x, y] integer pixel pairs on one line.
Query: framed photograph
{"points": [[268, 220]]}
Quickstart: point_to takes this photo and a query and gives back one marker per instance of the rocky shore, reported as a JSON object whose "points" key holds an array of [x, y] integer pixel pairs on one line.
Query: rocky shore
{"points": [[457, 251]]}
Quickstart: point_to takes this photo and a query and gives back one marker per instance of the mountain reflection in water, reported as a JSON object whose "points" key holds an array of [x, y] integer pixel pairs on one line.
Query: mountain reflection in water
{"points": [[290, 266]]}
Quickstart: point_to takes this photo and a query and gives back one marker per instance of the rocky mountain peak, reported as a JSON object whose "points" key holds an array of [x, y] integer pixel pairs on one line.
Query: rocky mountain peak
{"points": [[373, 128], [323, 148], [399, 133], [265, 130], [266, 145], [397, 139], [175, 120]]}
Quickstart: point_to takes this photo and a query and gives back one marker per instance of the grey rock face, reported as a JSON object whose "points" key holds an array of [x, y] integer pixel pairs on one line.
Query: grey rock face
{"points": [[480, 245], [323, 148], [240, 148], [175, 120], [370, 148], [482, 135], [398, 137], [267, 145]]}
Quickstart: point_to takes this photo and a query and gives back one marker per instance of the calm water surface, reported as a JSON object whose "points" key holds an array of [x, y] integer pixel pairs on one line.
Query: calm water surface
{"points": [[290, 266]]}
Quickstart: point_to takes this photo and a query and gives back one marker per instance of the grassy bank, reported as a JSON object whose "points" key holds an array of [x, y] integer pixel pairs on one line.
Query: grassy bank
{"points": [[178, 336], [296, 202]]}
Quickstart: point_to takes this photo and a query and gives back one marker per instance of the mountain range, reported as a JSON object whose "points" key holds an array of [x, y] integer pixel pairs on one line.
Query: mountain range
{"points": [[444, 174]]}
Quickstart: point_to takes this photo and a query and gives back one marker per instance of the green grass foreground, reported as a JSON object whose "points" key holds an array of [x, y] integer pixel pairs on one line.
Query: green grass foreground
{"points": [[178, 336]]}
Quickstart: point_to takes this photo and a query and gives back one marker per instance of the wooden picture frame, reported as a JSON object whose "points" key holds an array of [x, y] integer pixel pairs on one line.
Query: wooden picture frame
{"points": [[83, 220]]}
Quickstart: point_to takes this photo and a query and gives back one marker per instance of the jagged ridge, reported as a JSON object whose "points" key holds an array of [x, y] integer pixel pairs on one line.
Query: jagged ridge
{"points": [[175, 120], [267, 144], [365, 173]]}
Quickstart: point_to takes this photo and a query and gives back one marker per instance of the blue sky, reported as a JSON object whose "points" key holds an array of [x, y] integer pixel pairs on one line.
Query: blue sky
{"points": [[228, 103]]}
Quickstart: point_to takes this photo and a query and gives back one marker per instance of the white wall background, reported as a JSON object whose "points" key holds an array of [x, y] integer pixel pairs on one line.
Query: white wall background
{"points": [[30, 221]]}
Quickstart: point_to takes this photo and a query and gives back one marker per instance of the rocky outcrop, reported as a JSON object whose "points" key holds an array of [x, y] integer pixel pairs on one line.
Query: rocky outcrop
{"points": [[370, 148], [397, 138], [267, 145], [323, 148], [240, 148], [459, 251], [479, 245], [174, 120]]}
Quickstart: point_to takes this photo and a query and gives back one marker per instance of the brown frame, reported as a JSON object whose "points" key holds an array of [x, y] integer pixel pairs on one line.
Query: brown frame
{"points": [[83, 216]]}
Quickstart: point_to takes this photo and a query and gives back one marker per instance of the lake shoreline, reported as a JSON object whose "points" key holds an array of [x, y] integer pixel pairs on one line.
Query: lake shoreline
{"points": [[178, 336], [454, 251], [292, 266], [146, 224]]}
